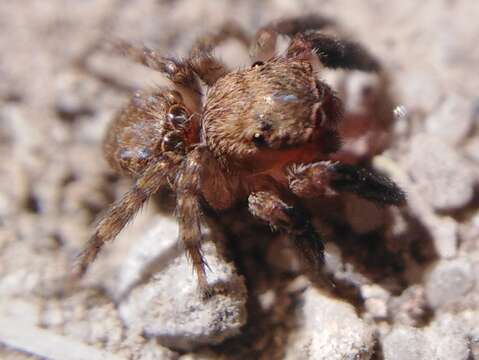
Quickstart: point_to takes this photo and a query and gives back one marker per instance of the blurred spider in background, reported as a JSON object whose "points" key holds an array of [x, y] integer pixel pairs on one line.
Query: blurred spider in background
{"points": [[266, 135]]}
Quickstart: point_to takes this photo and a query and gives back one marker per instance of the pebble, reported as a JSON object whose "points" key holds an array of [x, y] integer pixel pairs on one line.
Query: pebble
{"points": [[447, 337], [329, 329], [151, 253], [442, 175], [472, 149], [449, 281], [405, 343], [410, 307], [170, 307], [453, 120]]}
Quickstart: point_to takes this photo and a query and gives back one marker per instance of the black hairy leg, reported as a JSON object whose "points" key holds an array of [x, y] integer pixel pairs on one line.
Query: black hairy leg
{"points": [[325, 177], [294, 221], [263, 46], [334, 52]]}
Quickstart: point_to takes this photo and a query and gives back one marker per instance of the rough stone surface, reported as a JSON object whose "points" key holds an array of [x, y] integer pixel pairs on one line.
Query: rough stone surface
{"points": [[472, 149], [330, 329], [449, 281], [410, 307], [406, 343], [442, 175], [60, 86], [149, 254], [453, 121], [449, 339], [442, 340], [170, 307]]}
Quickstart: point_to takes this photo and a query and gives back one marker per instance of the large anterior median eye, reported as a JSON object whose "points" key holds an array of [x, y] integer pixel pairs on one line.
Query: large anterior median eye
{"points": [[178, 115], [258, 139], [172, 141], [257, 63]]}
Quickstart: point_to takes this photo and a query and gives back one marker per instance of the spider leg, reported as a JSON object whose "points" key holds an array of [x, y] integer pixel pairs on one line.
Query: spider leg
{"points": [[228, 31], [294, 221], [334, 52], [264, 44], [189, 213], [202, 60], [207, 67], [323, 178], [122, 211], [182, 72]]}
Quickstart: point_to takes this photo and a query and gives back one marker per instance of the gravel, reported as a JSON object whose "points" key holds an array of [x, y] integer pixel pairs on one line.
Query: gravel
{"points": [[441, 173], [170, 306], [329, 329], [449, 281], [403, 282]]}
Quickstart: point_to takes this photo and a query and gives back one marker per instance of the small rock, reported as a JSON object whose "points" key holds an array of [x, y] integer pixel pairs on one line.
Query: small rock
{"points": [[152, 351], [409, 308], [169, 306], [375, 300], [449, 281], [434, 342], [330, 329], [472, 149], [445, 236], [406, 343], [453, 121], [448, 339], [150, 254], [442, 175], [469, 232]]}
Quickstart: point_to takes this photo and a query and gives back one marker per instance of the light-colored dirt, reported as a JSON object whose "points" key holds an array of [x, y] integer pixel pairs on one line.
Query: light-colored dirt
{"points": [[57, 94]]}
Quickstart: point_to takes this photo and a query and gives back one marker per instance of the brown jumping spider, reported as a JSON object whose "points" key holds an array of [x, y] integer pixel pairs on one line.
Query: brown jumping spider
{"points": [[264, 134]]}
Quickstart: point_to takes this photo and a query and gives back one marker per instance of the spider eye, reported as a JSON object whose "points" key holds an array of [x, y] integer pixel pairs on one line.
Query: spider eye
{"points": [[172, 141], [177, 115], [258, 139], [257, 63]]}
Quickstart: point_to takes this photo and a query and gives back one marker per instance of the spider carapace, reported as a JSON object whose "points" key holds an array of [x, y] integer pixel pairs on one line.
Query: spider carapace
{"points": [[262, 134]]}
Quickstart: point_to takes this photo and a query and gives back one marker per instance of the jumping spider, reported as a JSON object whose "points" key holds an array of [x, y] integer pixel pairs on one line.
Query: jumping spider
{"points": [[264, 134]]}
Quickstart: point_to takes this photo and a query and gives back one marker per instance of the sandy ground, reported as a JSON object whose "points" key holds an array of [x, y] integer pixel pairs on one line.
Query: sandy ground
{"points": [[415, 286]]}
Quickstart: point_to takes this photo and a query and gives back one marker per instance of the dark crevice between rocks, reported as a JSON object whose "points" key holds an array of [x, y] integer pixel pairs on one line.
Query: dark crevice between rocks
{"points": [[266, 331]]}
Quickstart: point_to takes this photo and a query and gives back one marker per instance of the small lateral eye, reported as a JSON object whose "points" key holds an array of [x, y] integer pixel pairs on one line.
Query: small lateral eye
{"points": [[177, 115], [258, 139], [257, 63]]}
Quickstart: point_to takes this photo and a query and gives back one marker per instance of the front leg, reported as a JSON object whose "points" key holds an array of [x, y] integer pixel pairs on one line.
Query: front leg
{"points": [[334, 53], [182, 72], [294, 221], [325, 177], [189, 213], [263, 46]]}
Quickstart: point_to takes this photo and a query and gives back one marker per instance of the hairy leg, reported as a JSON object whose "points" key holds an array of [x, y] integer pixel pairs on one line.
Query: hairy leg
{"points": [[334, 52], [122, 211], [264, 44], [181, 72], [207, 67], [189, 214], [228, 31], [295, 222], [323, 178], [177, 71]]}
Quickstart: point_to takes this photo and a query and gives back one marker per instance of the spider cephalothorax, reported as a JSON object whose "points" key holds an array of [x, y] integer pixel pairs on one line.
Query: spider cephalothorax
{"points": [[263, 134]]}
